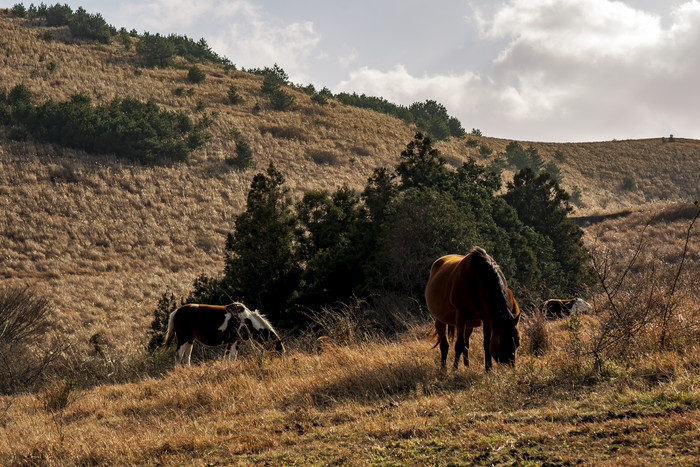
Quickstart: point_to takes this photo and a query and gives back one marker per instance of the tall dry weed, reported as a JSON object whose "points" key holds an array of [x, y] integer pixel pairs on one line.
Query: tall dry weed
{"points": [[645, 304]]}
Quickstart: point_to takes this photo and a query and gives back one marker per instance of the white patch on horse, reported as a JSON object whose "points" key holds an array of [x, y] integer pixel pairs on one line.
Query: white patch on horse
{"points": [[227, 318], [579, 305], [194, 305], [184, 353]]}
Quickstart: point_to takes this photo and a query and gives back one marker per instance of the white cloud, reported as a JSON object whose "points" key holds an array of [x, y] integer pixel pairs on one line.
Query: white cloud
{"points": [[244, 32], [570, 69]]}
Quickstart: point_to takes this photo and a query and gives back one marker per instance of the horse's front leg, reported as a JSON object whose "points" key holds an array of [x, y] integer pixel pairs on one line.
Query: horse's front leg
{"points": [[487, 346], [231, 352]]}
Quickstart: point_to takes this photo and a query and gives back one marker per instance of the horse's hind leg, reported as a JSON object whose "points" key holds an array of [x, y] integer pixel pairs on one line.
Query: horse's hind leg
{"points": [[487, 346], [467, 335], [459, 346], [440, 329], [184, 353]]}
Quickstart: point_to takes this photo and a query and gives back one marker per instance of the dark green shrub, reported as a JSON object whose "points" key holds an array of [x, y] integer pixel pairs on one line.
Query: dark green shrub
{"points": [[234, 97], [85, 25], [195, 75], [58, 15], [155, 50], [281, 100], [17, 133], [5, 113], [431, 117], [485, 150], [472, 142], [125, 127], [126, 39], [18, 11], [553, 169], [244, 155], [628, 183], [19, 95], [519, 157], [323, 157]]}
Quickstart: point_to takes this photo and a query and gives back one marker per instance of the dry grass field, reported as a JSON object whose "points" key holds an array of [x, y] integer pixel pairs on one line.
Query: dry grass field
{"points": [[103, 238]]}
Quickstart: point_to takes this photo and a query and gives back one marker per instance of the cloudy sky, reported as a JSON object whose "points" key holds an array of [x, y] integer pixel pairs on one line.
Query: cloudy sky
{"points": [[537, 70]]}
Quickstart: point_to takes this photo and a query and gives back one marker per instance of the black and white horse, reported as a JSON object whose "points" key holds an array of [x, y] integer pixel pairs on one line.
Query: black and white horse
{"points": [[556, 308], [214, 325]]}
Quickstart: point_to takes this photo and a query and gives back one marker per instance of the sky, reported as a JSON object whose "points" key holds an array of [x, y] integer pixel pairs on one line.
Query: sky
{"points": [[531, 70]]}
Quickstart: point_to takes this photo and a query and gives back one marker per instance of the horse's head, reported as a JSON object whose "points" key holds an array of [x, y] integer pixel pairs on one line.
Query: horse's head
{"points": [[270, 339], [505, 339], [255, 326]]}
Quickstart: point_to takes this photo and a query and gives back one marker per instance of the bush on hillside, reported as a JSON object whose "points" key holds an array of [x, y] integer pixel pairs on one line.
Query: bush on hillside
{"points": [[58, 15], [126, 127], [195, 75], [432, 118], [18, 11], [234, 97], [281, 100], [88, 26], [244, 155], [155, 50]]}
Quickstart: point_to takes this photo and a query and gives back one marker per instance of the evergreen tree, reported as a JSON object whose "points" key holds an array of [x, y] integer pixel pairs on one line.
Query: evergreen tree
{"points": [[543, 205], [261, 265], [156, 50]]}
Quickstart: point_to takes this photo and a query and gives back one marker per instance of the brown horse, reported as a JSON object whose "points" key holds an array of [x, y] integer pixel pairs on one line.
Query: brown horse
{"points": [[465, 292], [214, 325]]}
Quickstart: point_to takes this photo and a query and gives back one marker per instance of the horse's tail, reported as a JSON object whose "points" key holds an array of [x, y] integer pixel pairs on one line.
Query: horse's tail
{"points": [[171, 332], [450, 335]]}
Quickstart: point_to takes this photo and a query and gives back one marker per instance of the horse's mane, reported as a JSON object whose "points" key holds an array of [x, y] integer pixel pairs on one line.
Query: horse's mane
{"points": [[256, 315], [498, 290]]}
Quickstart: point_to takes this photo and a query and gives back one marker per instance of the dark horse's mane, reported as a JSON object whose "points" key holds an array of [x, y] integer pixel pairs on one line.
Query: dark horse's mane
{"points": [[496, 292]]}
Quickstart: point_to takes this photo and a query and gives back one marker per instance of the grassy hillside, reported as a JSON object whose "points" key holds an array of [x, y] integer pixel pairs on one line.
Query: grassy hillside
{"points": [[103, 238]]}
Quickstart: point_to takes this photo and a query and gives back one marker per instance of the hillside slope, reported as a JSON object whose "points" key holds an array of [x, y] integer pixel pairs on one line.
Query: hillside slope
{"points": [[104, 238]]}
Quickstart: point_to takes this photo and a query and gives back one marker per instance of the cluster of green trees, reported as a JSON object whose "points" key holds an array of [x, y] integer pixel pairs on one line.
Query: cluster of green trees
{"points": [[273, 80], [430, 116], [126, 127], [158, 50], [81, 23], [284, 257], [520, 158], [154, 49]]}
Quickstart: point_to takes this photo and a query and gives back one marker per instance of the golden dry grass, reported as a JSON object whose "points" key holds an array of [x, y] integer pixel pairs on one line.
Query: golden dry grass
{"points": [[380, 402], [103, 239]]}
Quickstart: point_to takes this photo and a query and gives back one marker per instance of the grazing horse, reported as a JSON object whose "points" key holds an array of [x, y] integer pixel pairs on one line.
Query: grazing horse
{"points": [[214, 325], [465, 292], [556, 308]]}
